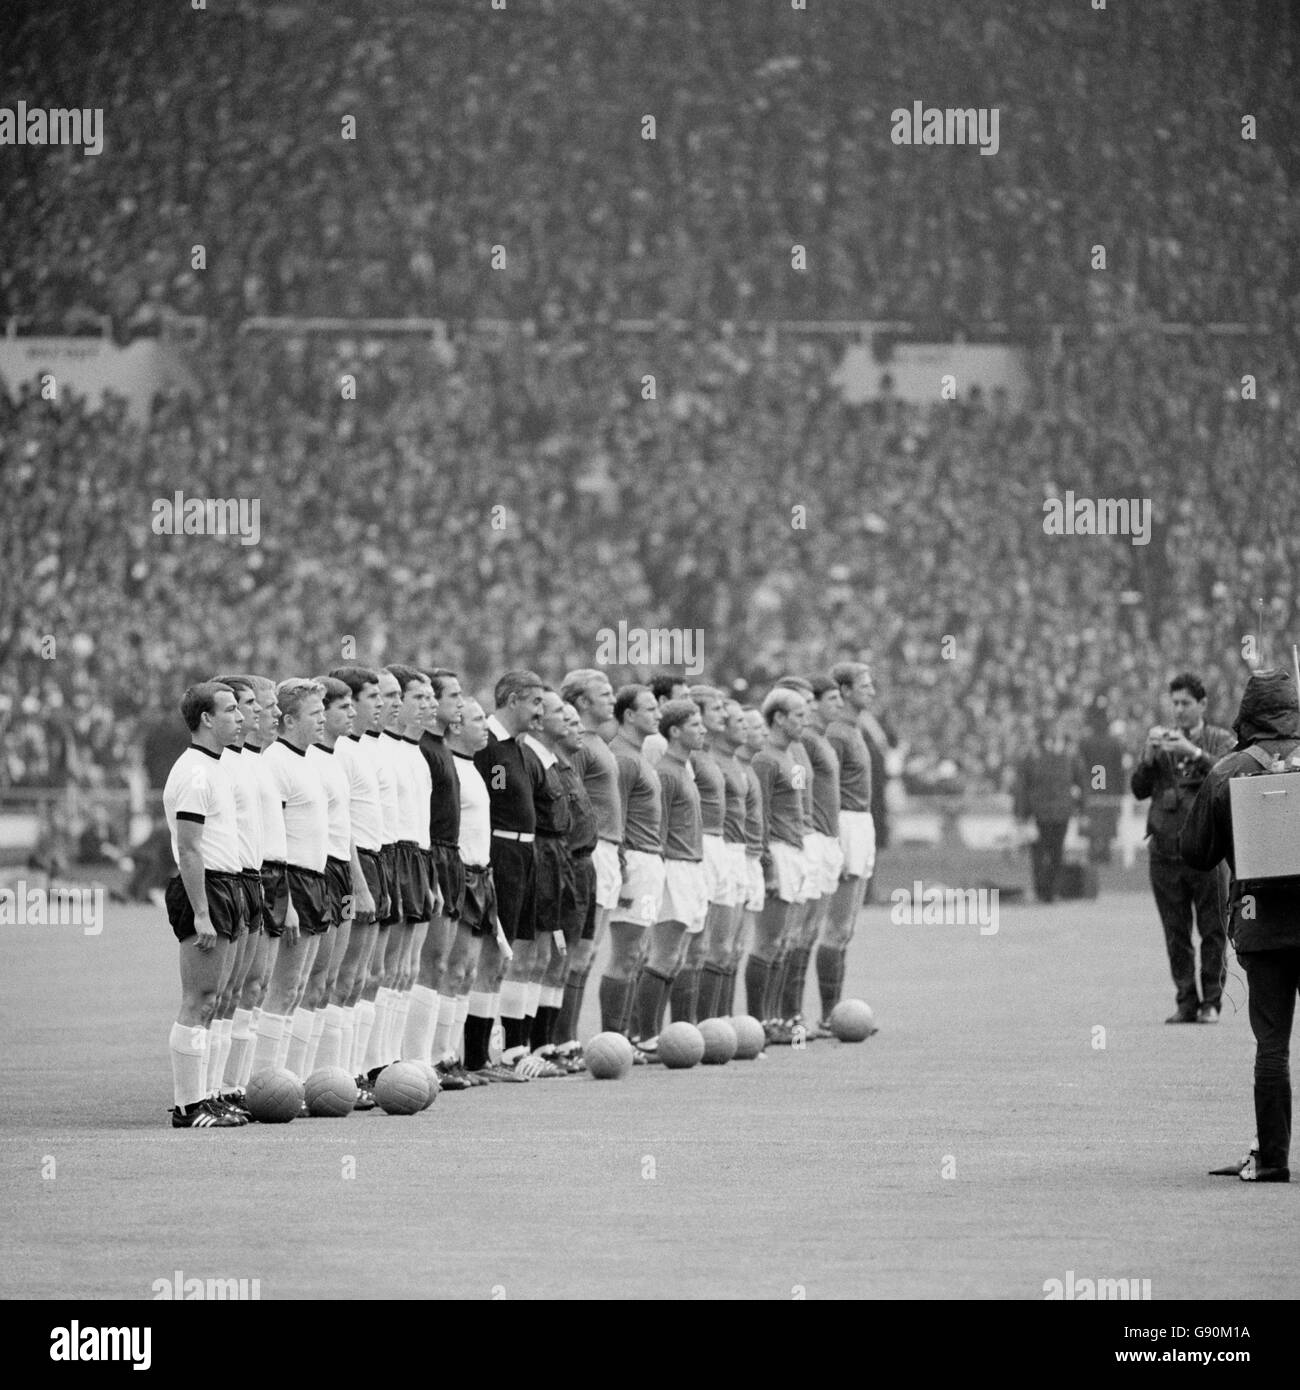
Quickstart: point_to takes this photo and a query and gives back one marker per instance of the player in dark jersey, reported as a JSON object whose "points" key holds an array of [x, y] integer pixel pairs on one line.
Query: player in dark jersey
{"points": [[857, 831], [636, 712], [685, 902], [513, 775], [718, 973], [589, 692], [782, 780], [710, 782], [445, 869]]}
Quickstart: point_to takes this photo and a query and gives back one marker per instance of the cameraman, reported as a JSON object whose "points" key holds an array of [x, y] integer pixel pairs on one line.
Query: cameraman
{"points": [[1174, 763], [1264, 920]]}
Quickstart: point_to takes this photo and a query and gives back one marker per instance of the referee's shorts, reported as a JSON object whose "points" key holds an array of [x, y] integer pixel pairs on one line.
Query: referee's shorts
{"points": [[514, 872]]}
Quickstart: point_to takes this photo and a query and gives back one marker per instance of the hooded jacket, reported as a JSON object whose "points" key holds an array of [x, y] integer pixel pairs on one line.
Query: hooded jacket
{"points": [[1265, 915]]}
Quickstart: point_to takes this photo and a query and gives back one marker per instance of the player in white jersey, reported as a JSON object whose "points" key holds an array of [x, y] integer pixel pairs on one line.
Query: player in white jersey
{"points": [[306, 829], [205, 899], [277, 911], [383, 749], [244, 778], [348, 974], [478, 913], [342, 875], [405, 937]]}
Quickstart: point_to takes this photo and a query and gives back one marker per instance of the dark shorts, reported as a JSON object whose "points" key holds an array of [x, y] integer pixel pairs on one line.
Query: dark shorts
{"points": [[275, 896], [254, 906], [307, 892], [554, 882], [514, 872], [479, 902], [226, 900], [578, 912], [413, 881], [372, 871], [338, 891], [390, 910], [446, 868]]}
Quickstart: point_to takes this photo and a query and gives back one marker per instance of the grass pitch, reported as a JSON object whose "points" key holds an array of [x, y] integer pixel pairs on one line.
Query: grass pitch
{"points": [[1023, 1112]]}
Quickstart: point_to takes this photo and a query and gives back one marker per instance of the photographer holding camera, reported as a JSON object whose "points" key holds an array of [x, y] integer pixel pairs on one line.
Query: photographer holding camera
{"points": [[1174, 763]]}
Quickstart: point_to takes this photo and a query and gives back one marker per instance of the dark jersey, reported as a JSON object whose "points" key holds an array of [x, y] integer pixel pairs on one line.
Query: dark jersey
{"points": [[779, 776], [639, 792], [514, 777], [826, 783], [712, 787], [444, 796], [683, 833]]}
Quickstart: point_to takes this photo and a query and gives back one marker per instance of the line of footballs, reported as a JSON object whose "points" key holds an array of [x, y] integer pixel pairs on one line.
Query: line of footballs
{"points": [[275, 1095]]}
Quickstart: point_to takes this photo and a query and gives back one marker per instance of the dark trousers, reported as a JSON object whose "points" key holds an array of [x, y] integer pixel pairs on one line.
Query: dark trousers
{"points": [[1045, 856], [1274, 979], [1178, 890]]}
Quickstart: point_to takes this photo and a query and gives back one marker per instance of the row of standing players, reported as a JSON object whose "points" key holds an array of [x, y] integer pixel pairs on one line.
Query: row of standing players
{"points": [[371, 867]]}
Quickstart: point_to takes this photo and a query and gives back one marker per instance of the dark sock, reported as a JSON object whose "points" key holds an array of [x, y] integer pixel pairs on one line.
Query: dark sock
{"points": [[629, 1012], [796, 973], [566, 1019], [544, 1026], [516, 1032], [648, 1003], [613, 1003], [712, 982], [830, 976], [729, 990], [776, 986], [478, 1033], [530, 1032], [685, 995], [756, 973], [661, 1008]]}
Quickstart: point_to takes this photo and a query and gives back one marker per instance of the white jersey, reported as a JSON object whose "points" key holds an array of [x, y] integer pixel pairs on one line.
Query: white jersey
{"points": [[306, 805], [381, 752], [199, 789], [273, 844], [338, 797], [414, 788], [363, 783], [475, 814], [242, 771]]}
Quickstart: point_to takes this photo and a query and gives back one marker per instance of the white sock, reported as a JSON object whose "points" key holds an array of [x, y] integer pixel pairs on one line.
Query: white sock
{"points": [[304, 1020], [282, 1047], [421, 1020], [397, 1016], [240, 1044], [330, 1047], [186, 1047], [374, 1053], [442, 1043], [514, 999], [531, 999], [207, 1058], [384, 1001], [361, 1037], [458, 1033], [220, 1051], [271, 1029], [347, 1036], [317, 1032]]}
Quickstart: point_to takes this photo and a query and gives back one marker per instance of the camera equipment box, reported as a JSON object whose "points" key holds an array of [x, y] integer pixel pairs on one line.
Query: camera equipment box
{"points": [[1266, 825]]}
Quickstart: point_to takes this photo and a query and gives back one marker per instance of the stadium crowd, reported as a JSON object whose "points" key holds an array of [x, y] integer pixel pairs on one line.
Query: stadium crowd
{"points": [[495, 497]]}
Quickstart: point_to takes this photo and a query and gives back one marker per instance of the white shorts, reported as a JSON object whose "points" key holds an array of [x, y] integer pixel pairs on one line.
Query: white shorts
{"points": [[686, 894], [827, 861], [790, 867], [755, 888], [812, 855], [737, 873], [609, 873], [641, 890], [858, 841], [717, 869]]}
